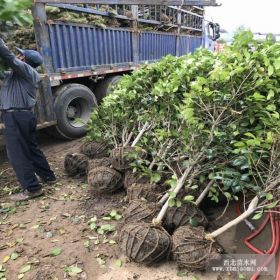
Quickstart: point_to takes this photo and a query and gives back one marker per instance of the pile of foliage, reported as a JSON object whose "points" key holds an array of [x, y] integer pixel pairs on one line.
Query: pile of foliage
{"points": [[179, 130], [216, 113]]}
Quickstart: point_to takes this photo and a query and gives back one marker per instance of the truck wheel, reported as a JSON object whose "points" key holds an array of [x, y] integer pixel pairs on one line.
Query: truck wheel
{"points": [[104, 87], [73, 106]]}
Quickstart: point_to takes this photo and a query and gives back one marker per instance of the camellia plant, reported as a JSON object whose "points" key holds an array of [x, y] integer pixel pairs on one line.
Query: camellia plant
{"points": [[215, 117], [13, 12], [214, 130]]}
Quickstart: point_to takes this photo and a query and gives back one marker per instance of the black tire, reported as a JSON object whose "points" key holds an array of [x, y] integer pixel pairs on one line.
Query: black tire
{"points": [[104, 87], [73, 106]]}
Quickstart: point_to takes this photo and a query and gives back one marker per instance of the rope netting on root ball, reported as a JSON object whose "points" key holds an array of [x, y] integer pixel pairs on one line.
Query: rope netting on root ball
{"points": [[133, 178], [187, 213], [144, 243], [75, 164], [94, 163], [104, 180], [139, 211], [147, 191], [95, 150], [191, 251]]}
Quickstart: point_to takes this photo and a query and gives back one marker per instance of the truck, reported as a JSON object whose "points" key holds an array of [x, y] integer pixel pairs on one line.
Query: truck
{"points": [[83, 61]]}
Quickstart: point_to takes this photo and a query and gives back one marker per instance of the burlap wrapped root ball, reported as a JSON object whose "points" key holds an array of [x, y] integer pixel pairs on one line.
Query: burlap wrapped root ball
{"points": [[139, 211], [191, 250], [75, 164], [124, 156], [133, 178], [145, 243], [147, 191], [95, 149], [94, 163], [184, 215], [104, 180]]}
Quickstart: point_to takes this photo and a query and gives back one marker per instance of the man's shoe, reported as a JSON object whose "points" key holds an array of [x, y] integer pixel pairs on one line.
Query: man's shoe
{"points": [[48, 181], [26, 195]]}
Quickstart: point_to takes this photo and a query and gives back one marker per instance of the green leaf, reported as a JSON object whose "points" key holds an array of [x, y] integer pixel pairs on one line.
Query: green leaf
{"points": [[270, 70], [178, 203], [272, 205], [56, 251], [188, 198], [155, 177], [171, 202], [14, 256], [257, 216], [106, 218], [271, 107], [73, 270], [87, 244], [257, 96], [277, 64], [108, 228], [193, 222], [270, 94], [25, 269], [182, 273], [100, 261], [269, 196], [118, 263], [118, 217], [227, 195], [100, 231], [113, 213], [241, 276], [93, 226], [249, 134]]}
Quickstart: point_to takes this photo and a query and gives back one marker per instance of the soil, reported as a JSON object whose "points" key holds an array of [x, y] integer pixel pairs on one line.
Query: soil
{"points": [[65, 218]]}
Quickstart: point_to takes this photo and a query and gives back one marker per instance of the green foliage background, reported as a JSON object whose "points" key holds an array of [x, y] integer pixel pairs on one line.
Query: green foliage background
{"points": [[224, 106], [13, 12]]}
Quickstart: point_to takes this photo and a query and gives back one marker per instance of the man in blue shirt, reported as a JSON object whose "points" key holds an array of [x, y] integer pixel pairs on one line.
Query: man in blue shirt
{"points": [[17, 100]]}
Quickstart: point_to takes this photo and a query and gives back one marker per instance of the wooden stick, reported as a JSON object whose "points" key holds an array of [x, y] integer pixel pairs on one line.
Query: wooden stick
{"points": [[251, 209], [136, 140], [204, 193], [180, 184]]}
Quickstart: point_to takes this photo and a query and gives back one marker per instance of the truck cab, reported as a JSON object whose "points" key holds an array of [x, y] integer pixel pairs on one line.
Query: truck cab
{"points": [[211, 34]]}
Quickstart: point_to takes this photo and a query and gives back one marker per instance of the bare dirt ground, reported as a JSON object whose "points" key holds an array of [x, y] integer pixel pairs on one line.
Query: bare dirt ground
{"points": [[51, 237]]}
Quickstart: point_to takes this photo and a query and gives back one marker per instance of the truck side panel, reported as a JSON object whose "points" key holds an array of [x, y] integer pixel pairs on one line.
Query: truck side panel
{"points": [[153, 46], [189, 44], [80, 47]]}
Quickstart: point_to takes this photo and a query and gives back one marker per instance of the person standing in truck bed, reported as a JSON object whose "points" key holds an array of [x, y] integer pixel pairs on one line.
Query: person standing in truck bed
{"points": [[17, 100]]}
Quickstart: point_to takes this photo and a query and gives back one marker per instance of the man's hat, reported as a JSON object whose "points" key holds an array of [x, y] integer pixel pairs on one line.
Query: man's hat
{"points": [[32, 58]]}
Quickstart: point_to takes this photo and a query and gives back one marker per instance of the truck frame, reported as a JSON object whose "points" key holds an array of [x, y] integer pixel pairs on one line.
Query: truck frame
{"points": [[82, 61]]}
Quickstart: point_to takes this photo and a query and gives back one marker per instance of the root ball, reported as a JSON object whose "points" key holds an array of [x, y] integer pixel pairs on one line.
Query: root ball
{"points": [[133, 178], [75, 164], [94, 163], [146, 191], [94, 149], [104, 180], [191, 250], [145, 243], [181, 216], [139, 211]]}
